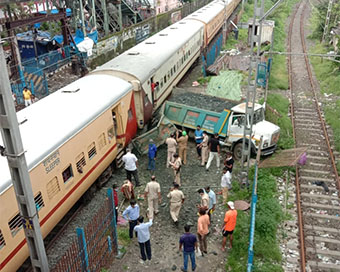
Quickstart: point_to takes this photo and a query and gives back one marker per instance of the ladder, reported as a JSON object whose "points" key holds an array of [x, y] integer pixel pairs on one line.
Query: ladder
{"points": [[328, 16]]}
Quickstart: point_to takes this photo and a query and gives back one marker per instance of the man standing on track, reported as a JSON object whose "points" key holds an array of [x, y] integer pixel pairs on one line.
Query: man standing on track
{"points": [[229, 225], [177, 165], [204, 200], [176, 200], [189, 243], [130, 161], [182, 146], [198, 139], [225, 184], [214, 151], [203, 223], [131, 214], [152, 153], [171, 143], [205, 149], [229, 162], [143, 236], [212, 201], [153, 194]]}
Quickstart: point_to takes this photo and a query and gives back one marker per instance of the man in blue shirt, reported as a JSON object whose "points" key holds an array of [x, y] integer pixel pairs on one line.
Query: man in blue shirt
{"points": [[152, 155], [189, 241], [198, 139], [143, 234], [131, 214], [212, 201]]}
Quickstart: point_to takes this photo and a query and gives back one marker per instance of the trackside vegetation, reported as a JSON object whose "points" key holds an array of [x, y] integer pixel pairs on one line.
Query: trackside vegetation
{"points": [[269, 213], [326, 70]]}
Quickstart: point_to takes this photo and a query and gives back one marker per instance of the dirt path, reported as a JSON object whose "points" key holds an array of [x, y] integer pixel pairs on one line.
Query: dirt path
{"points": [[164, 235]]}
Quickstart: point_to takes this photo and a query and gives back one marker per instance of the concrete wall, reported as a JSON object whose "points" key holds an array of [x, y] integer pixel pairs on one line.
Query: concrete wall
{"points": [[111, 46]]}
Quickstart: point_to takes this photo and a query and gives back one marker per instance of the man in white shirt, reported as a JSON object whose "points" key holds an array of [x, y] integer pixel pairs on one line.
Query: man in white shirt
{"points": [[225, 183], [130, 161], [143, 232]]}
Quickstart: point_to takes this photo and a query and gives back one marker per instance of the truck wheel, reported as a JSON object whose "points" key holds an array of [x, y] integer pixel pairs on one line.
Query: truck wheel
{"points": [[237, 151]]}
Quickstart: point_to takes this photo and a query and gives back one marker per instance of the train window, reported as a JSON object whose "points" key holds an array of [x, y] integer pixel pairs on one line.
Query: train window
{"points": [[162, 83], [174, 68], [168, 75], [67, 174], [15, 224], [164, 79], [171, 72], [92, 151], [80, 162], [110, 133], [52, 187], [39, 202], [101, 141], [2, 240], [130, 115]]}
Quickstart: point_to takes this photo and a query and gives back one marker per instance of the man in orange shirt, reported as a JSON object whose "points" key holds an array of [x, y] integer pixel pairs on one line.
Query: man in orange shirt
{"points": [[203, 230], [229, 225]]}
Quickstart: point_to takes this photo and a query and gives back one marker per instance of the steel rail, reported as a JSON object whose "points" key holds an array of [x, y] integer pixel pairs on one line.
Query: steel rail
{"points": [[317, 101], [310, 76], [297, 180]]}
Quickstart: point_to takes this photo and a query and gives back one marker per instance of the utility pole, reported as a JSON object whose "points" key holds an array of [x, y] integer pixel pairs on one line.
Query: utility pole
{"points": [[252, 84], [328, 16], [15, 154], [255, 38]]}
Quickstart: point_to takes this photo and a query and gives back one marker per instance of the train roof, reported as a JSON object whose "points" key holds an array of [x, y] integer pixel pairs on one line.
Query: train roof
{"points": [[208, 12], [59, 116], [144, 59]]}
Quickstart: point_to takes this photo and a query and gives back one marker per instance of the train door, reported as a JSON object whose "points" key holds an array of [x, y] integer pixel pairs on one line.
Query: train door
{"points": [[153, 90], [118, 125]]}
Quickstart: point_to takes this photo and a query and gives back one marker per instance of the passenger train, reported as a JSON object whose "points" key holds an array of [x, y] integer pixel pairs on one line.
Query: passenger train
{"points": [[75, 135]]}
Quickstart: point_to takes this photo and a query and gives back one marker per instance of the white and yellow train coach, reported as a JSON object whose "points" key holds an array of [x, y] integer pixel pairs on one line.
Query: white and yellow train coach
{"points": [[72, 136]]}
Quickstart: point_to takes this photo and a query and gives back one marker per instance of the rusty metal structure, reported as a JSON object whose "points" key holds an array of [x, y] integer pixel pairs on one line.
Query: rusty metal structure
{"points": [[306, 178], [96, 244]]}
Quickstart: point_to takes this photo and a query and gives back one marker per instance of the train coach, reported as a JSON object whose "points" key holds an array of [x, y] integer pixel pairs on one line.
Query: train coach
{"points": [[73, 136]]}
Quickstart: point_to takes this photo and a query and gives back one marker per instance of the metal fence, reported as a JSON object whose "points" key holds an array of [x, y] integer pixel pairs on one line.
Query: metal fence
{"points": [[96, 244]]}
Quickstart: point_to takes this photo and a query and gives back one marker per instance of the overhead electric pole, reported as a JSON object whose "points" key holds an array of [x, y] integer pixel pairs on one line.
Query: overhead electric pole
{"points": [[15, 154], [328, 16], [255, 39]]}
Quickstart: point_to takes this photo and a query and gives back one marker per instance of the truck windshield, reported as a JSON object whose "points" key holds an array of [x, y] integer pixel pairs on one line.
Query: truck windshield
{"points": [[258, 116]]}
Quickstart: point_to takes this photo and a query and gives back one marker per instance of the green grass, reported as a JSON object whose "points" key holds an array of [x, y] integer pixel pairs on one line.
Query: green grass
{"points": [[327, 73], [332, 114], [267, 255], [281, 105], [123, 236]]}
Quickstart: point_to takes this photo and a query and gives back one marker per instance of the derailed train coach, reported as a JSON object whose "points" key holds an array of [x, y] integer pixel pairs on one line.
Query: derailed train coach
{"points": [[74, 135]]}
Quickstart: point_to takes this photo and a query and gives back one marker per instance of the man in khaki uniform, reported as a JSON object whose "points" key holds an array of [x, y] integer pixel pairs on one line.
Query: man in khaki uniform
{"points": [[176, 200], [182, 146], [204, 200], [204, 148], [172, 144], [153, 194], [176, 165]]}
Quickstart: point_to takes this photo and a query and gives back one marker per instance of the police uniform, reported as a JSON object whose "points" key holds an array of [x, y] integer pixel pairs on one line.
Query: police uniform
{"points": [[176, 197], [171, 143], [153, 189]]}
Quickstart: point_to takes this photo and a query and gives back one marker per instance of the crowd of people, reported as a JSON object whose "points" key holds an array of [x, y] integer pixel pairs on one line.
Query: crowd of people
{"points": [[189, 243]]}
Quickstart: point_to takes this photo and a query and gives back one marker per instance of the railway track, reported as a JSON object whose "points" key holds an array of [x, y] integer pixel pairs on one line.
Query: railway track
{"points": [[317, 182]]}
